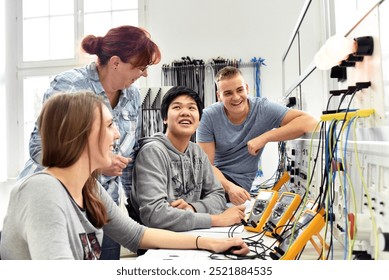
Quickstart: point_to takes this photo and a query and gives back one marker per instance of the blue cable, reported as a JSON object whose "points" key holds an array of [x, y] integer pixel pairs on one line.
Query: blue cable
{"points": [[334, 151], [257, 74], [328, 164], [327, 148]]}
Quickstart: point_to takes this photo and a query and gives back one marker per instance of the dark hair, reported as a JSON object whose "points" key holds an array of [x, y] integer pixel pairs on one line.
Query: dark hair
{"points": [[172, 94], [65, 123], [227, 73], [127, 42]]}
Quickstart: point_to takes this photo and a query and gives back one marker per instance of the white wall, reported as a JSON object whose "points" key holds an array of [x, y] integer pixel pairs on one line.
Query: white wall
{"points": [[3, 167], [205, 29]]}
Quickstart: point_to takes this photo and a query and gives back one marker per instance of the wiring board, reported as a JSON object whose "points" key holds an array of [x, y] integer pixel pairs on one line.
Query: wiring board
{"points": [[344, 165], [357, 203]]}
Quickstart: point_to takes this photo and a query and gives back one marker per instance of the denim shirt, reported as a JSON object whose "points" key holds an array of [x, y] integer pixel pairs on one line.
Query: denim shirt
{"points": [[126, 115]]}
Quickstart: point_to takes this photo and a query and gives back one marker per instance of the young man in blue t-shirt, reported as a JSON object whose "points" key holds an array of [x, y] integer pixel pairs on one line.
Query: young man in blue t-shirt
{"points": [[234, 131]]}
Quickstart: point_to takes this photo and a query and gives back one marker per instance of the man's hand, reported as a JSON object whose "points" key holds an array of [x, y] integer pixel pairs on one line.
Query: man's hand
{"points": [[181, 204], [255, 144], [237, 194], [231, 216]]}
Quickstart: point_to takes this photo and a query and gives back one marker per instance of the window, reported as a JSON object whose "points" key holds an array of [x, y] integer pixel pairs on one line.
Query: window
{"points": [[58, 22], [98, 14], [34, 87], [51, 31]]}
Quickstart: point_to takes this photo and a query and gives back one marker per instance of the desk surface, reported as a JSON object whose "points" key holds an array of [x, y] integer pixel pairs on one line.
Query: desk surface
{"points": [[309, 252]]}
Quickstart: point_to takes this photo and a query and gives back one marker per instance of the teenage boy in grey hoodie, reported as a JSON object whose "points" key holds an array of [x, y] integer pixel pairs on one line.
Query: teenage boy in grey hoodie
{"points": [[174, 186]]}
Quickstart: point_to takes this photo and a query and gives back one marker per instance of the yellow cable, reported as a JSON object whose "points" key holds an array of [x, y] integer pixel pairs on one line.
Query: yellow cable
{"points": [[309, 182], [367, 194], [309, 166], [300, 212], [306, 191]]}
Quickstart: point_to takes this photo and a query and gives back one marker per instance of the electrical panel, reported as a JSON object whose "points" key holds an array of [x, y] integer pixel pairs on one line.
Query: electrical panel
{"points": [[343, 167], [301, 157], [360, 202]]}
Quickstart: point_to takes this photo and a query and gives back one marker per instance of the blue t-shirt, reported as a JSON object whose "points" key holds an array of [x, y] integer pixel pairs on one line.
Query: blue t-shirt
{"points": [[231, 155]]}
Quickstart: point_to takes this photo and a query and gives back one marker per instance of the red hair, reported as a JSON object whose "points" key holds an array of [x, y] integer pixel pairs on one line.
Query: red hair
{"points": [[129, 43]]}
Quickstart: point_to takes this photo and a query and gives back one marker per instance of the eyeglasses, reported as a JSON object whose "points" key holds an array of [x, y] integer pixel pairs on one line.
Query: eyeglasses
{"points": [[143, 68], [140, 68]]}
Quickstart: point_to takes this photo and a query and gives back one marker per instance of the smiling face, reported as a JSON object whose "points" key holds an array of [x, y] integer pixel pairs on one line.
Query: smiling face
{"points": [[126, 73], [182, 117], [101, 139], [233, 93]]}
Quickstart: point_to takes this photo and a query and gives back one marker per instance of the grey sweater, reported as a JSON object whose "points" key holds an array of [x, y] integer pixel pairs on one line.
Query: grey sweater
{"points": [[163, 174], [44, 222]]}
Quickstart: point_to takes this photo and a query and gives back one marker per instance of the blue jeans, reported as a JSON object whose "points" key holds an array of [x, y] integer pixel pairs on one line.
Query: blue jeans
{"points": [[110, 250]]}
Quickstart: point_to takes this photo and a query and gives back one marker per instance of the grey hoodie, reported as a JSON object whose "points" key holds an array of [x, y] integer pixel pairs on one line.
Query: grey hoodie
{"points": [[163, 174]]}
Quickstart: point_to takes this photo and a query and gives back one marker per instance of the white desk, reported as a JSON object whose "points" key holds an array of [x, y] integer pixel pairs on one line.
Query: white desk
{"points": [[309, 252]]}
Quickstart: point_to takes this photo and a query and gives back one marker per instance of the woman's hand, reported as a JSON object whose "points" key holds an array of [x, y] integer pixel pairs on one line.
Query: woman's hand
{"points": [[222, 245], [118, 164]]}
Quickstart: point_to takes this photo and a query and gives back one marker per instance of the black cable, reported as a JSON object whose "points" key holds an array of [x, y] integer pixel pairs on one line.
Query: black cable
{"points": [[332, 148], [334, 93]]}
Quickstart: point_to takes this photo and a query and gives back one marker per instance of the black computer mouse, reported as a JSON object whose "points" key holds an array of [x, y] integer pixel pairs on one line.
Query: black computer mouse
{"points": [[230, 250]]}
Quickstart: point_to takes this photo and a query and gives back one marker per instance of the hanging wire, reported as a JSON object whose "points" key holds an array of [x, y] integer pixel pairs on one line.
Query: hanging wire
{"points": [[257, 63]]}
